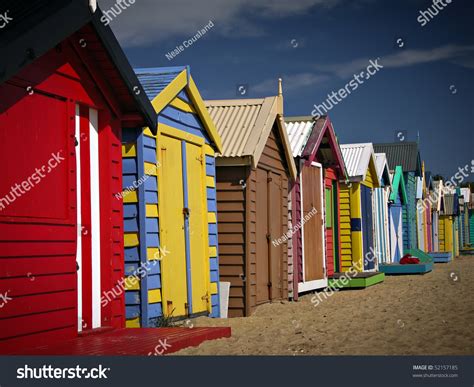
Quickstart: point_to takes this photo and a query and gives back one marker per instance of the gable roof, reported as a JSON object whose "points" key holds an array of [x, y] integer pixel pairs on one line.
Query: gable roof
{"points": [[306, 136], [41, 25], [398, 185], [245, 124], [383, 171], [163, 84], [358, 158], [405, 154], [299, 129]]}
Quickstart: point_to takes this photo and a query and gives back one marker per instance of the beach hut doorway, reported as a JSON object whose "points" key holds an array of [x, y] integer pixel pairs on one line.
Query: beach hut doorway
{"points": [[270, 224], [88, 260], [182, 210], [332, 230], [368, 228], [396, 232], [314, 262]]}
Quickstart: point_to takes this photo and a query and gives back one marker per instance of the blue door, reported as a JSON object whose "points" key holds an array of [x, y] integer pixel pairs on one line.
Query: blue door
{"points": [[367, 228], [396, 232]]}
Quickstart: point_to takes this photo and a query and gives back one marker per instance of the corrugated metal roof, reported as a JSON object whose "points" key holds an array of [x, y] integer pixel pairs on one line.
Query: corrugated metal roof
{"points": [[299, 129], [381, 165], [405, 154], [244, 126], [155, 79], [242, 123], [357, 158], [450, 205]]}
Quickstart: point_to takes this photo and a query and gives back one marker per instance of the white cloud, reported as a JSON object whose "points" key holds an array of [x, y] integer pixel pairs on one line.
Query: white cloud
{"points": [[455, 53], [148, 21]]}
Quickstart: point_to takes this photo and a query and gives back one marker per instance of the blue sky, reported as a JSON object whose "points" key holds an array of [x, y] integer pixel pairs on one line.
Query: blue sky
{"points": [[316, 46]]}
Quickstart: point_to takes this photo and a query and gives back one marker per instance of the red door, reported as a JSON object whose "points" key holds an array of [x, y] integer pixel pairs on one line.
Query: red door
{"points": [[37, 218]]}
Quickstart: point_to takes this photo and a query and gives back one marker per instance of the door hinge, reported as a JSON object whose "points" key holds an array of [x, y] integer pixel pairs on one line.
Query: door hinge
{"points": [[200, 159], [206, 297], [186, 211], [269, 284]]}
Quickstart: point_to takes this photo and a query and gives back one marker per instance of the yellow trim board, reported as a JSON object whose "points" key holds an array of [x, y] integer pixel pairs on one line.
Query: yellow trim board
{"points": [[180, 134], [133, 323], [154, 296], [131, 239], [204, 114], [210, 182], [152, 211], [132, 283], [170, 92], [211, 217], [150, 169], [178, 103], [129, 150], [130, 196]]}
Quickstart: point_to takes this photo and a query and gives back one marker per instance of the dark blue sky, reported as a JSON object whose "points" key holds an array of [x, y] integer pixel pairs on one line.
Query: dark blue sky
{"points": [[316, 46]]}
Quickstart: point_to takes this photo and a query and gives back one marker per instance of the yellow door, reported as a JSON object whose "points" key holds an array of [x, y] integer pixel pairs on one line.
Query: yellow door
{"points": [[172, 233], [198, 232]]}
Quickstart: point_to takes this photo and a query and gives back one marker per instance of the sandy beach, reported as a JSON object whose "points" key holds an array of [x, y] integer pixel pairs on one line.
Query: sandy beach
{"points": [[431, 314]]}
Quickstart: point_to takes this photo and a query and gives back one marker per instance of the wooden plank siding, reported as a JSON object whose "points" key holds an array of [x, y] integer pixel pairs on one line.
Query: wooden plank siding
{"points": [[231, 199], [237, 205]]}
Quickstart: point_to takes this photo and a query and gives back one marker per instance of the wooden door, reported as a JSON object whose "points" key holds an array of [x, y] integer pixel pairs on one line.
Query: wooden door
{"points": [[396, 233], [262, 237], [172, 233], [198, 238], [367, 228], [313, 229], [275, 225]]}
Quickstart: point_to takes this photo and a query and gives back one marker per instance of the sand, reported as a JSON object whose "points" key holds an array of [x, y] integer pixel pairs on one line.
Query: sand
{"points": [[432, 314]]}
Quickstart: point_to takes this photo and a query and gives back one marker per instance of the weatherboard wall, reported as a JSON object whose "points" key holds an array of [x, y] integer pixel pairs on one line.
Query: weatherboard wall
{"points": [[142, 214]]}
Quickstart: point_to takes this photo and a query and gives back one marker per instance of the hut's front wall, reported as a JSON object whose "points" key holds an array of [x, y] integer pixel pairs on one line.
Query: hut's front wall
{"points": [[247, 198], [233, 187], [45, 233], [180, 160]]}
